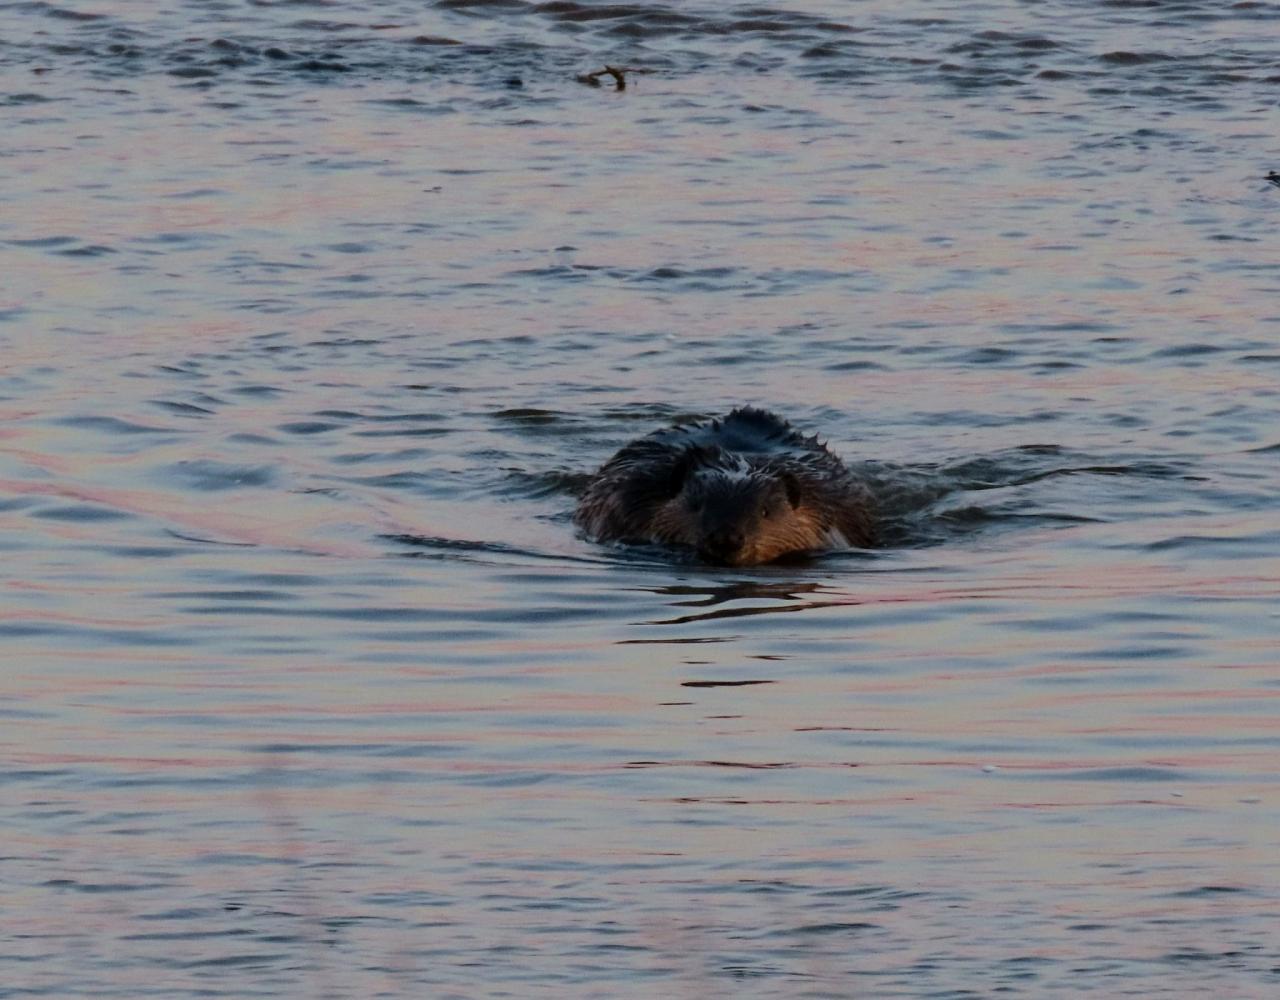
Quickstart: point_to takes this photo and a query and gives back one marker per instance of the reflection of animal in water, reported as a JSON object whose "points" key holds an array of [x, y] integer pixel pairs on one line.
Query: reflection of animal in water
{"points": [[742, 490]]}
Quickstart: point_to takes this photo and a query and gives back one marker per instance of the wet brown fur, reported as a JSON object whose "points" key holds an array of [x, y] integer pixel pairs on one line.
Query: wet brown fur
{"points": [[740, 491]]}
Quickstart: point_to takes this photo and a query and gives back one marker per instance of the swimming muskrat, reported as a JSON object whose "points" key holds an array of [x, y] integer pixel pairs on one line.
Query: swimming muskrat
{"points": [[741, 490]]}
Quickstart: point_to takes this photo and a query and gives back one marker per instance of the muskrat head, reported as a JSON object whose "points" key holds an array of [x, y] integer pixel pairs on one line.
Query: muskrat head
{"points": [[743, 517]]}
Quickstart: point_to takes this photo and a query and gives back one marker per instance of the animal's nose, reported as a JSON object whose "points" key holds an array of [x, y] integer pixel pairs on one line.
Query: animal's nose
{"points": [[723, 546]]}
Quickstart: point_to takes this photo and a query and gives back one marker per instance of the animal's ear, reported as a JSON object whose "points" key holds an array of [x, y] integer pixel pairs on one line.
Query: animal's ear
{"points": [[793, 487]]}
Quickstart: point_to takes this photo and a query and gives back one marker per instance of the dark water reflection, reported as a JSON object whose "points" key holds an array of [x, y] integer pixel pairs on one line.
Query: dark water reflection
{"points": [[314, 322]]}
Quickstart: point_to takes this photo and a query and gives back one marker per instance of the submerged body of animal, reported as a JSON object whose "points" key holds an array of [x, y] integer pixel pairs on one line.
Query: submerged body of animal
{"points": [[741, 490]]}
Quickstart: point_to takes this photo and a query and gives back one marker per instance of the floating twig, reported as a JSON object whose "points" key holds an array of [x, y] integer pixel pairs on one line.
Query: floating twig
{"points": [[617, 72]]}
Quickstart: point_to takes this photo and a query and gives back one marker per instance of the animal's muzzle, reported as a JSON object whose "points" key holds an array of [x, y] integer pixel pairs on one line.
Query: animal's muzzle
{"points": [[725, 548]]}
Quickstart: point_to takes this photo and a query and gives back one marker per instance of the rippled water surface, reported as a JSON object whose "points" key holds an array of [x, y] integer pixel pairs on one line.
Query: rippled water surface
{"points": [[314, 318]]}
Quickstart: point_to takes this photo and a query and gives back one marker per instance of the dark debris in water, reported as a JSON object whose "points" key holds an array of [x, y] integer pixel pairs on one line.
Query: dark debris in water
{"points": [[617, 73]]}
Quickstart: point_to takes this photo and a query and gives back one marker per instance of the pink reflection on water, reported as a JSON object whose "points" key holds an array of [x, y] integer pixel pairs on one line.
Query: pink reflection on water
{"points": [[247, 524]]}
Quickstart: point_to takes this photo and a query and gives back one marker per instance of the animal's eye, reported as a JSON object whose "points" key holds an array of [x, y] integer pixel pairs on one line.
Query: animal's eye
{"points": [[766, 511]]}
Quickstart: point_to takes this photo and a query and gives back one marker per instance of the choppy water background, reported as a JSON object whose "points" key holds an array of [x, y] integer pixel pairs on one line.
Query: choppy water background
{"points": [[313, 317]]}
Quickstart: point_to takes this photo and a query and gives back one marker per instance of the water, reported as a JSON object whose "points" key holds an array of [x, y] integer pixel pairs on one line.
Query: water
{"points": [[314, 318]]}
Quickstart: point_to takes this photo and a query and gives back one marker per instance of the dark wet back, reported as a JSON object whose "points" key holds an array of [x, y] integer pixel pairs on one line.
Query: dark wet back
{"points": [[749, 431]]}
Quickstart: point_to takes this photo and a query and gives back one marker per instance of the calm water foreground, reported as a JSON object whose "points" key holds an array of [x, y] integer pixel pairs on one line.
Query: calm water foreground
{"points": [[313, 319]]}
